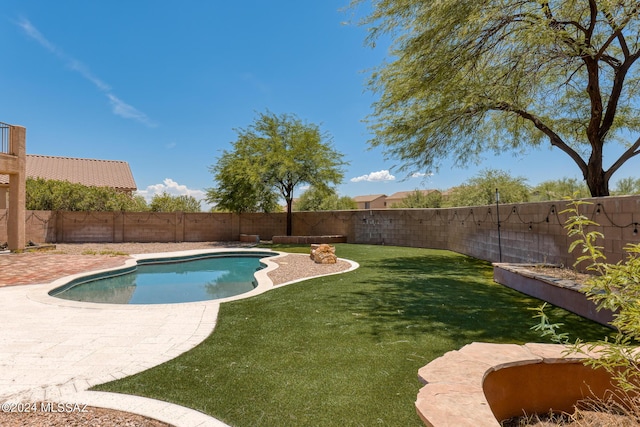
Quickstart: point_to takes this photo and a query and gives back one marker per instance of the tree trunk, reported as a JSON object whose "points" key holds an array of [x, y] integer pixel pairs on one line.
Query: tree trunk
{"points": [[595, 176], [289, 216]]}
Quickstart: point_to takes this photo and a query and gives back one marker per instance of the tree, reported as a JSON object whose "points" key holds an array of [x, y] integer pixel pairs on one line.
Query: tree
{"points": [[235, 192], [627, 185], [314, 199], [560, 188], [271, 158], [466, 77], [481, 189], [167, 203], [421, 199]]}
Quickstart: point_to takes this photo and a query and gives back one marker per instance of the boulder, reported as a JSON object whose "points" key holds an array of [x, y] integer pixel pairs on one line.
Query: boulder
{"points": [[323, 254]]}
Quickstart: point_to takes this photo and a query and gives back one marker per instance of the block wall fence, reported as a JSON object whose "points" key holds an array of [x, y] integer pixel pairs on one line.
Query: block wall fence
{"points": [[529, 232]]}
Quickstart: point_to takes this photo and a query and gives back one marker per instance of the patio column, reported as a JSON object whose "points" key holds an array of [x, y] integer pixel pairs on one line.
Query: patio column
{"points": [[17, 190]]}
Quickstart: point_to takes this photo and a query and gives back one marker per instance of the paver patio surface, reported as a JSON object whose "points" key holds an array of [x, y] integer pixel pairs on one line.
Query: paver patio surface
{"points": [[32, 268]]}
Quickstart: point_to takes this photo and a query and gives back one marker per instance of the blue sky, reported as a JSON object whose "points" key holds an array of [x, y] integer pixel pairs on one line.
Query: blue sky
{"points": [[163, 84]]}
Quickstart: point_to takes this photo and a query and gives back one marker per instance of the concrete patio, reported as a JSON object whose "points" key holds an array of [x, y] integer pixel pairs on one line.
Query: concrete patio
{"points": [[54, 350]]}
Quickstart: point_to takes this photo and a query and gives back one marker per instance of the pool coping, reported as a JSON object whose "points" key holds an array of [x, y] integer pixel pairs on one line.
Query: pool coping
{"points": [[41, 294], [176, 415]]}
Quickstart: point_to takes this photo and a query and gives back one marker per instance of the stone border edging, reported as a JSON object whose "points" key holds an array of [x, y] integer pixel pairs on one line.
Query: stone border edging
{"points": [[453, 394], [175, 415]]}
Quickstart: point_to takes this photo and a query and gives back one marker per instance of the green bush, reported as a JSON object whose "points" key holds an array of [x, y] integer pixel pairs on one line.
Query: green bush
{"points": [[167, 203], [615, 287], [52, 195]]}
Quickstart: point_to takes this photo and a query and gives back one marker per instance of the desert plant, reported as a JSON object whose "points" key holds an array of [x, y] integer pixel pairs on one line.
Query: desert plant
{"points": [[615, 287]]}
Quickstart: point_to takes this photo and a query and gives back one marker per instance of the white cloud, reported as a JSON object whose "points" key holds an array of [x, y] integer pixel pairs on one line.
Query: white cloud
{"points": [[37, 36], [382, 175], [420, 175], [171, 187], [119, 107], [122, 109]]}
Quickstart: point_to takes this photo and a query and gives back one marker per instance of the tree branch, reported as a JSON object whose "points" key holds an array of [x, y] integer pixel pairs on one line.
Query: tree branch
{"points": [[614, 97], [617, 32], [632, 151], [593, 15], [554, 138]]}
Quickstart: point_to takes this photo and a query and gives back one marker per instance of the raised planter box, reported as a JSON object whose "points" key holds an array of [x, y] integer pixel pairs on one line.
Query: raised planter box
{"points": [[562, 293], [482, 384], [250, 238], [306, 240]]}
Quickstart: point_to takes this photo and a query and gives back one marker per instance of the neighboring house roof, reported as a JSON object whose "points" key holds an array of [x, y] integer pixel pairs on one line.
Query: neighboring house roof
{"points": [[368, 198], [91, 172], [401, 195]]}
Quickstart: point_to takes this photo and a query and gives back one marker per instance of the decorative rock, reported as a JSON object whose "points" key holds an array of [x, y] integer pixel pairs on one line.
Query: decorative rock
{"points": [[323, 254]]}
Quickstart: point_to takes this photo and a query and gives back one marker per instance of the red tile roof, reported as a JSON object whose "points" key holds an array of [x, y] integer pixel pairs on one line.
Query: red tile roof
{"points": [[91, 172]]}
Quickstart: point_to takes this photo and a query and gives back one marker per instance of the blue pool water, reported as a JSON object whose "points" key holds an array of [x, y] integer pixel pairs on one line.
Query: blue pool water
{"points": [[162, 281]]}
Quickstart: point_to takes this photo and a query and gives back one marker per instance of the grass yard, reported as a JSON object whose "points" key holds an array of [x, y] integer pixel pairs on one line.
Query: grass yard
{"points": [[345, 350]]}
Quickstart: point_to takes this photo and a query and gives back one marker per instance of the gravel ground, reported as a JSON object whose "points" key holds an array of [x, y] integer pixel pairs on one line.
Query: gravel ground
{"points": [[140, 248], [74, 418], [291, 267], [563, 273]]}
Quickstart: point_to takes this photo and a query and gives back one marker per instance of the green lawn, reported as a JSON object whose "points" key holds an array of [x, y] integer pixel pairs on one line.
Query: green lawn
{"points": [[345, 350]]}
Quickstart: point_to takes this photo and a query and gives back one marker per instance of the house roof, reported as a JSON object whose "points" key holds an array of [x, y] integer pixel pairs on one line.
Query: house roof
{"points": [[403, 194], [91, 172], [368, 198]]}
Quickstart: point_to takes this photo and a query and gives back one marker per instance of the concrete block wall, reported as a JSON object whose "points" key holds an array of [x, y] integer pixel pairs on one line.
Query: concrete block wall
{"points": [[152, 227], [40, 226], [265, 225], [73, 227], [529, 232], [205, 227], [323, 223]]}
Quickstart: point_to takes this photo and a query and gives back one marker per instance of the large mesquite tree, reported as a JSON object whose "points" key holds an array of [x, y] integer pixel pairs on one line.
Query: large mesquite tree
{"points": [[271, 158], [469, 76]]}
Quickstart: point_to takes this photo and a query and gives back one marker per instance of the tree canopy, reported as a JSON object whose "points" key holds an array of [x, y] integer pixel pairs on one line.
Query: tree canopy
{"points": [[43, 194], [465, 77], [481, 189], [269, 159], [53, 195], [559, 189], [165, 202], [420, 199], [627, 185], [314, 199]]}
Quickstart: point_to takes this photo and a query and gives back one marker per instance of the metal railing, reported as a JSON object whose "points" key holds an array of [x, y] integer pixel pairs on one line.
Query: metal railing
{"points": [[5, 138]]}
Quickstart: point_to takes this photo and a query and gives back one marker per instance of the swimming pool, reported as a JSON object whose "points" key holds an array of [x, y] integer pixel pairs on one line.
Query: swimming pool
{"points": [[170, 280]]}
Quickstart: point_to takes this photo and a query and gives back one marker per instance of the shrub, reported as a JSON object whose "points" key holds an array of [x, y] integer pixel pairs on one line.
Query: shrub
{"points": [[612, 286]]}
